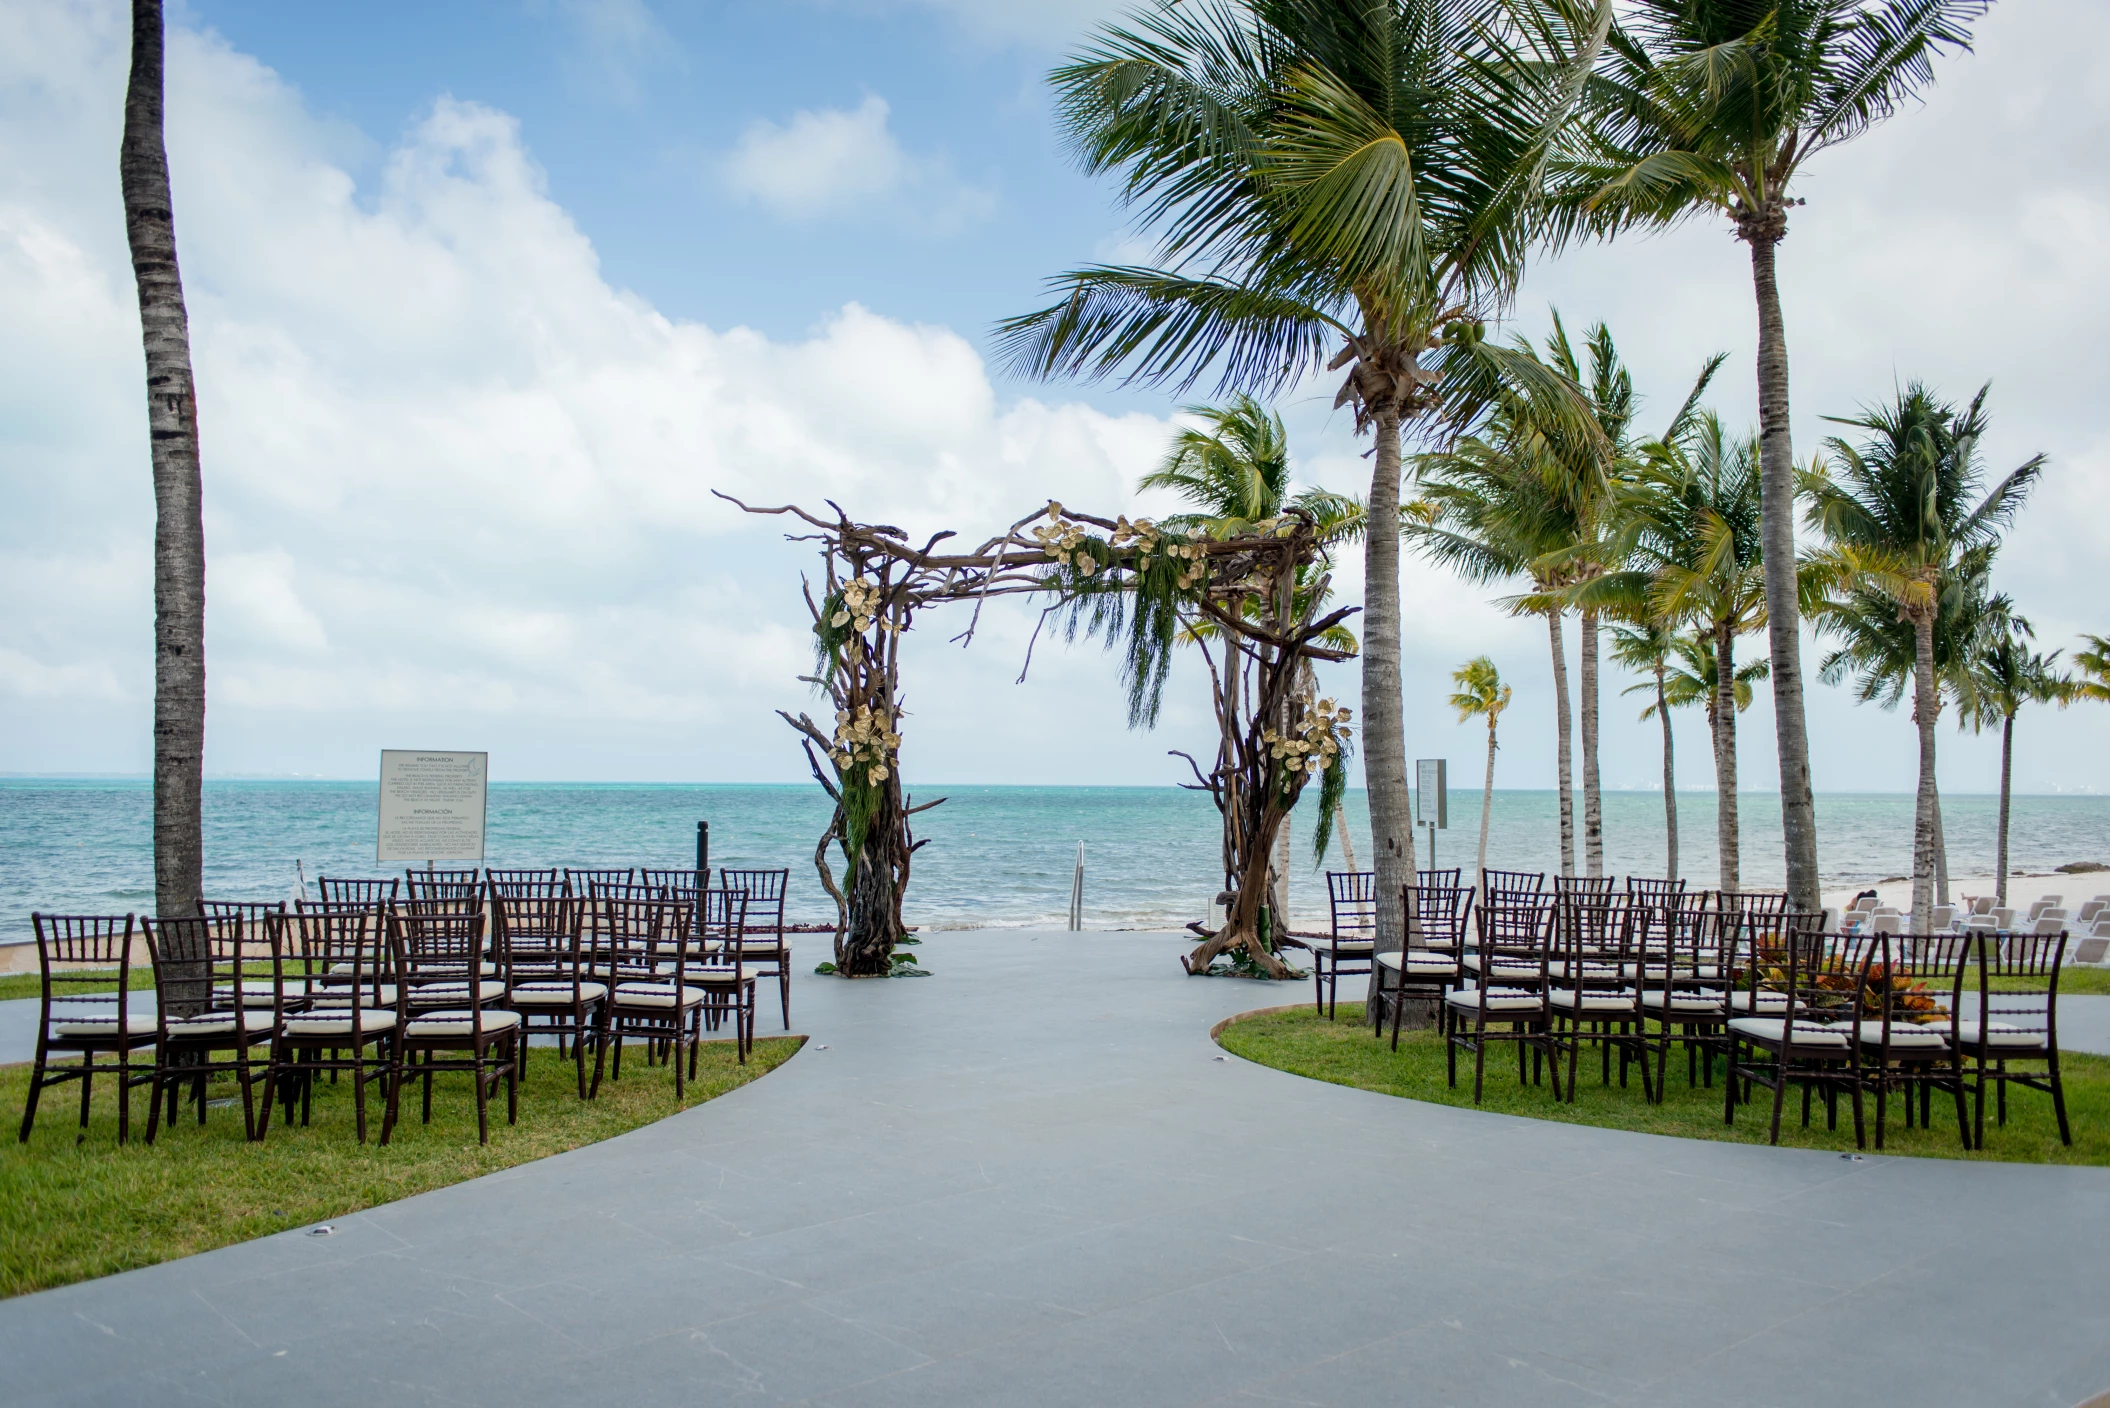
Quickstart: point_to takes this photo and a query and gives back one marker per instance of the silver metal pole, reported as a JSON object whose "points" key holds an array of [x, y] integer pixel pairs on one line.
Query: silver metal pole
{"points": [[1077, 892]]}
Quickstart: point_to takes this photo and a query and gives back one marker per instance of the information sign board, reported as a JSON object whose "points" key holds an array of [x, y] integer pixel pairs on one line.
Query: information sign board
{"points": [[1431, 795], [432, 805]]}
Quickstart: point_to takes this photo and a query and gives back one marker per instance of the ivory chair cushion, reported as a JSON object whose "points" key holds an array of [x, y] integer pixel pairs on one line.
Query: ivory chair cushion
{"points": [[460, 1023], [1907, 1036], [2000, 1035], [1419, 960], [1740, 1001], [1498, 1000], [1682, 1001], [339, 1023], [1621, 1001], [555, 994], [1808, 1035], [655, 995], [487, 990]]}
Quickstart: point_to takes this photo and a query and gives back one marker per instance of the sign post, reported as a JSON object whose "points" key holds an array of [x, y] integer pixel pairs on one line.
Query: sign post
{"points": [[1432, 799], [432, 806]]}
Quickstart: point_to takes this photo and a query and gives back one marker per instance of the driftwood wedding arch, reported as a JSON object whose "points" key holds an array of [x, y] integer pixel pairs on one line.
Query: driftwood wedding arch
{"points": [[1248, 597]]}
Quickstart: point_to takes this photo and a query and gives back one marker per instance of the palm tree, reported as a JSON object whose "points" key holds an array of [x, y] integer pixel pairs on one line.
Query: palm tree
{"points": [[1481, 694], [1586, 480], [2094, 663], [2004, 674], [1692, 532], [1346, 184], [1493, 507], [1878, 647], [1647, 648], [179, 488], [1717, 106], [1696, 679], [1901, 528]]}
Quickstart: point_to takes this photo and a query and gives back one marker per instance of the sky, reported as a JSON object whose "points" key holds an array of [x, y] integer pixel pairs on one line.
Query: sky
{"points": [[487, 298]]}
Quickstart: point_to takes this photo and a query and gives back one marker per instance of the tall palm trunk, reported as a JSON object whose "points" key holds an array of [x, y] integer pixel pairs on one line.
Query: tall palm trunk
{"points": [[1798, 808], [1941, 852], [1563, 757], [1593, 796], [1384, 724], [1924, 711], [1724, 721], [1670, 779], [1487, 802], [2007, 774], [179, 491]]}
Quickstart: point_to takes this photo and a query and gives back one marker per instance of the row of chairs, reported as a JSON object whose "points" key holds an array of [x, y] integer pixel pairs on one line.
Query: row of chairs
{"points": [[764, 942], [378, 989], [1776, 996]]}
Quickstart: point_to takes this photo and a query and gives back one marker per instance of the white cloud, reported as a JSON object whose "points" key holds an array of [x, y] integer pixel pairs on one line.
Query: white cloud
{"points": [[450, 473], [846, 161], [613, 43]]}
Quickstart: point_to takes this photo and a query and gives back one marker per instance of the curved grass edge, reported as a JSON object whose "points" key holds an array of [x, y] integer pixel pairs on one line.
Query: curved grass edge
{"points": [[1297, 1041], [72, 1212]]}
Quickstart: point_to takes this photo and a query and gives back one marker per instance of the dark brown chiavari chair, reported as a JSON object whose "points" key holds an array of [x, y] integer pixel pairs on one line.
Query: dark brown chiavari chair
{"points": [[337, 890], [645, 949], [762, 940], [1914, 985], [2008, 1029], [1431, 965], [76, 953], [449, 1017], [346, 1024], [206, 1021], [549, 971], [1594, 989], [1805, 1038], [1351, 897], [1507, 1002]]}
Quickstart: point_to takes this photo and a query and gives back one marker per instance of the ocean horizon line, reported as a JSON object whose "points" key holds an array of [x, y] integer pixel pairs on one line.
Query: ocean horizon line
{"points": [[1461, 793]]}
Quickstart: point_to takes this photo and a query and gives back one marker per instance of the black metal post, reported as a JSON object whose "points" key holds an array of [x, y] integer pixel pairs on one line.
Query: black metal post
{"points": [[703, 854]]}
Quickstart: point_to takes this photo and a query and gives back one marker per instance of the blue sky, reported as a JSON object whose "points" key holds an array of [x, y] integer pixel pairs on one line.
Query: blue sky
{"points": [[487, 298]]}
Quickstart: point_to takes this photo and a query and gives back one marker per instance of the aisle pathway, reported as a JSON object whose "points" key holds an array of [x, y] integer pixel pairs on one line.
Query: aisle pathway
{"points": [[1032, 1179]]}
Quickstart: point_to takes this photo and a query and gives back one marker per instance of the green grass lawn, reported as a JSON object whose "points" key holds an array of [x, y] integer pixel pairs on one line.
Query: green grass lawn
{"points": [[1345, 1053], [71, 1211]]}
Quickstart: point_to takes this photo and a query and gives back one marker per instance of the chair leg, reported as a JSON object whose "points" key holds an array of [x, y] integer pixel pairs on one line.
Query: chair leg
{"points": [[516, 1049], [2058, 1099], [1780, 1095], [87, 1081], [395, 1091], [483, 1097], [600, 1051]]}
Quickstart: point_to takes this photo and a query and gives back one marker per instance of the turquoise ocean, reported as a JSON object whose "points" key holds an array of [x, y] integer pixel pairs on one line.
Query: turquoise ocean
{"points": [[998, 856]]}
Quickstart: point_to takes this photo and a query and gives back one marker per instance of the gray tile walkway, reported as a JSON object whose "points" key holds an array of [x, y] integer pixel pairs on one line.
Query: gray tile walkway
{"points": [[1030, 1180]]}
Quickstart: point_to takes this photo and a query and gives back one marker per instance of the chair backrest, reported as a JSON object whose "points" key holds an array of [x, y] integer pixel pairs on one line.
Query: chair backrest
{"points": [[2053, 922], [2016, 997], [586, 883], [2089, 909], [1944, 916], [344, 948], [252, 912], [535, 921], [1983, 904], [206, 967], [1440, 879], [1789, 957], [1646, 887], [1885, 923], [1441, 912], [765, 894], [76, 952], [436, 942], [456, 887], [1499, 883], [337, 890], [721, 919], [1351, 895], [630, 935], [1565, 885], [1593, 933], [669, 880], [1755, 902], [1512, 926]]}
